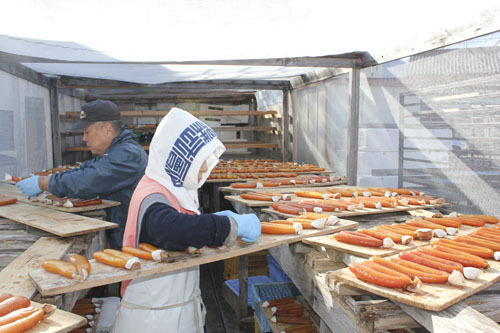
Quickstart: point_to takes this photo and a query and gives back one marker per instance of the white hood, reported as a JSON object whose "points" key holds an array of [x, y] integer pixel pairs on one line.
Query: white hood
{"points": [[179, 147]]}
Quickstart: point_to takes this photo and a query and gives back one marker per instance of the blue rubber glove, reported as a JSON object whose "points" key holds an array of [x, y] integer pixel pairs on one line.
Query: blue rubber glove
{"points": [[248, 227], [225, 213], [29, 186]]}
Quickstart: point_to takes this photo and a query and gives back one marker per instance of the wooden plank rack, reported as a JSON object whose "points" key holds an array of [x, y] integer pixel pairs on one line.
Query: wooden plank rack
{"points": [[14, 278], [227, 144], [58, 223], [371, 313], [51, 284], [162, 113]]}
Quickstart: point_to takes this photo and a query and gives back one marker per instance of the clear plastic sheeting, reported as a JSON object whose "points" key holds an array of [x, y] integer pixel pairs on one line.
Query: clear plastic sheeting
{"points": [[156, 74], [25, 131], [432, 122], [36, 135], [7, 150], [320, 114]]}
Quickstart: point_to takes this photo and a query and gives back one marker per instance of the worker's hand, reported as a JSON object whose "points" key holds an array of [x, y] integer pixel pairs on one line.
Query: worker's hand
{"points": [[248, 226], [225, 213], [29, 186]]}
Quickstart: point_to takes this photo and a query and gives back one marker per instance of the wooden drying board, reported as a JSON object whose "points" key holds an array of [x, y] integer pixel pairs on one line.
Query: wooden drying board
{"points": [[60, 322], [53, 221], [52, 284], [250, 203], [233, 180], [437, 297], [14, 278], [366, 252], [10, 190], [103, 205], [364, 211], [283, 188], [361, 251]]}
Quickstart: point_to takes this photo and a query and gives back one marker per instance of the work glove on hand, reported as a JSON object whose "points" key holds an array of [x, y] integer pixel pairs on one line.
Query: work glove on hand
{"points": [[225, 213], [29, 186], [248, 227]]}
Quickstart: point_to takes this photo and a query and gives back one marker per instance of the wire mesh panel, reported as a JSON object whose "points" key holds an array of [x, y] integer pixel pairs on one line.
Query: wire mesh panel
{"points": [[448, 120]]}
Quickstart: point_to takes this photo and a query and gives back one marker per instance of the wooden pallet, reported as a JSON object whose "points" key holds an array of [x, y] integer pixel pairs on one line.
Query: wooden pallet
{"points": [[52, 284]]}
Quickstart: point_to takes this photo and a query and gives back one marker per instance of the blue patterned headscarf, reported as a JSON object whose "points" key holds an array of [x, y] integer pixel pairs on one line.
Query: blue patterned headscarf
{"points": [[179, 147]]}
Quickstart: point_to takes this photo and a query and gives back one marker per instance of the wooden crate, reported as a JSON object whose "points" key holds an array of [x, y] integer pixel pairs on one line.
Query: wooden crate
{"points": [[257, 265]]}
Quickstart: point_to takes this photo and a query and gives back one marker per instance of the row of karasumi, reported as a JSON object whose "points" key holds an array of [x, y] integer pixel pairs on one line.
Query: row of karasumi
{"points": [[229, 175], [286, 182], [17, 314], [295, 225], [264, 168], [316, 202], [443, 261], [425, 228], [368, 199], [286, 310], [79, 268], [46, 172]]}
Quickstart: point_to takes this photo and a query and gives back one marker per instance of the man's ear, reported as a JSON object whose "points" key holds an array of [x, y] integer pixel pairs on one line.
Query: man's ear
{"points": [[109, 128]]}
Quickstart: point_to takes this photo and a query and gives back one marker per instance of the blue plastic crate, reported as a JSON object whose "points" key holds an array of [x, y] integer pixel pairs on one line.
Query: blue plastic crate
{"points": [[267, 291], [234, 285], [275, 272]]}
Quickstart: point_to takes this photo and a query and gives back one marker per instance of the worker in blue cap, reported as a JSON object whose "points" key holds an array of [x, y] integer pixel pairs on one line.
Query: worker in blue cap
{"points": [[113, 173]]}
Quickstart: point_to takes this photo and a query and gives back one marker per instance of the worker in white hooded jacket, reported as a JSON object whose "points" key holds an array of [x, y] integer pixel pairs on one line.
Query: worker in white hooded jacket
{"points": [[164, 212]]}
